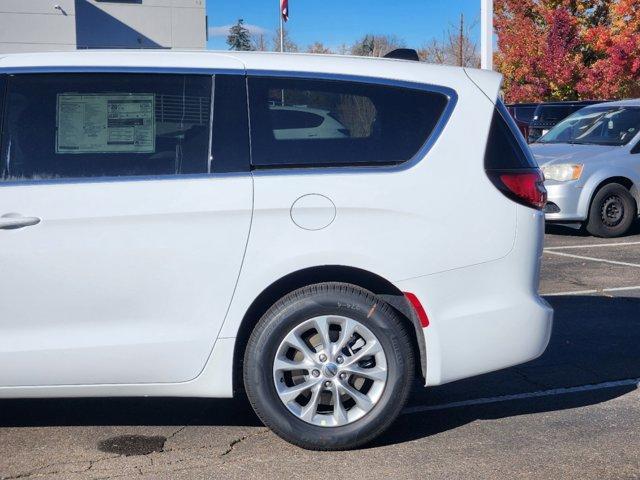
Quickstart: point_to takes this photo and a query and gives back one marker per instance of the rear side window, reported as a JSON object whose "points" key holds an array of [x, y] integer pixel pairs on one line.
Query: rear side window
{"points": [[312, 123], [506, 149], [66, 126]]}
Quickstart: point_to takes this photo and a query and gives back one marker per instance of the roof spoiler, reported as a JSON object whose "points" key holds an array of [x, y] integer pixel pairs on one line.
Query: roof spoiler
{"points": [[403, 54]]}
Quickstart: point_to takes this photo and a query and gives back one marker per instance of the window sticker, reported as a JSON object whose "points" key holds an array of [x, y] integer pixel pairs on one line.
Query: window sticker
{"points": [[105, 123]]}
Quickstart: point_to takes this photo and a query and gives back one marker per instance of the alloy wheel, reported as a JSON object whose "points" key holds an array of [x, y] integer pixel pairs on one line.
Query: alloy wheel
{"points": [[330, 371]]}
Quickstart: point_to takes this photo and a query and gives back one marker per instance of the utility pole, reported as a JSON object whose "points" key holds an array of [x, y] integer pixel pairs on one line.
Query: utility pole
{"points": [[461, 42], [486, 37]]}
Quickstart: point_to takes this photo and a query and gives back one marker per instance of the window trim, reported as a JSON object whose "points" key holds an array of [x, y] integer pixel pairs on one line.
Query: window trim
{"points": [[443, 121], [123, 69]]}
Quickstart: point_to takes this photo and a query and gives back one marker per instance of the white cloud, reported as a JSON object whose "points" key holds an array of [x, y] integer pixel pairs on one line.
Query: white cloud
{"points": [[223, 30]]}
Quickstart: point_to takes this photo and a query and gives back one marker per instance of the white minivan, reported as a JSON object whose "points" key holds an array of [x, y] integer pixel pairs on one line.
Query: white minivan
{"points": [[180, 224]]}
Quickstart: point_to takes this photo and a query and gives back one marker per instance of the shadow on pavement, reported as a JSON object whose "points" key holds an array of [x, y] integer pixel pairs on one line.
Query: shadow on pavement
{"points": [[575, 230], [595, 340], [416, 426], [565, 230]]}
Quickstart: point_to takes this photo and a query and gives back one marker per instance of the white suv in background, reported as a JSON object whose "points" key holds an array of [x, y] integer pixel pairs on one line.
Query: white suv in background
{"points": [[161, 236]]}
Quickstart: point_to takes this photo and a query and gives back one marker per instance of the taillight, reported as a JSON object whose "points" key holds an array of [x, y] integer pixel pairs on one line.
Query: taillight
{"points": [[523, 186], [509, 162]]}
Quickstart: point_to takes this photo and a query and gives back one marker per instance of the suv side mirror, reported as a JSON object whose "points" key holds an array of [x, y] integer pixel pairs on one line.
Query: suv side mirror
{"points": [[636, 148]]}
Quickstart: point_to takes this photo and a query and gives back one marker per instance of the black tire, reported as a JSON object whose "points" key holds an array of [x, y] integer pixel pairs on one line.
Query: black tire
{"points": [[309, 302], [613, 211]]}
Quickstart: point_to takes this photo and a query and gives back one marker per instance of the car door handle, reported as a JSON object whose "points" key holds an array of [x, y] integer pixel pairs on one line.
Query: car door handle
{"points": [[12, 221]]}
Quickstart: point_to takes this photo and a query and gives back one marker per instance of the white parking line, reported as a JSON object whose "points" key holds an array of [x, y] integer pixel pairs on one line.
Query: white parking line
{"points": [[592, 259], [523, 396], [621, 289], [562, 294], [587, 292], [598, 245]]}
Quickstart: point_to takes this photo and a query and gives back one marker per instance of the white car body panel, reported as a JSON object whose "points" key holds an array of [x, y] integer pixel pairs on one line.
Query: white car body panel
{"points": [[116, 271], [368, 211], [436, 227], [483, 322]]}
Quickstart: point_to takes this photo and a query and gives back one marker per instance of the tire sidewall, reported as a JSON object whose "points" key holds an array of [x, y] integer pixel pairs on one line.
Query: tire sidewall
{"points": [[278, 322]]}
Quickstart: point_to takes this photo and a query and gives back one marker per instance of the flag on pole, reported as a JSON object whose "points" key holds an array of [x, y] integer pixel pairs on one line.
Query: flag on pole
{"points": [[284, 9]]}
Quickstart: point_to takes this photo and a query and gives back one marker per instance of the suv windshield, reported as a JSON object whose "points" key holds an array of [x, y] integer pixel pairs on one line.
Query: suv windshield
{"points": [[597, 126]]}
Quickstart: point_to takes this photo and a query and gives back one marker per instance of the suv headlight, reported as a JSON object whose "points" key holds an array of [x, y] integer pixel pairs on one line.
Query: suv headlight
{"points": [[563, 172]]}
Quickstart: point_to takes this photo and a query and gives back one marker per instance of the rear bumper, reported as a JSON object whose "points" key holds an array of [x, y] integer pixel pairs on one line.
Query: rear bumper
{"points": [[489, 316]]}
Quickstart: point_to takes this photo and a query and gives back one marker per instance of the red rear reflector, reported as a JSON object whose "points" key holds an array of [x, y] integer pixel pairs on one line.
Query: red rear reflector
{"points": [[527, 187], [417, 307]]}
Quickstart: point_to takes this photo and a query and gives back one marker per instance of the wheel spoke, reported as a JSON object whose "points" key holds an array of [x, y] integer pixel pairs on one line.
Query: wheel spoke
{"points": [[310, 409], [339, 412], [362, 401], [322, 327], [377, 374], [372, 347], [286, 365], [296, 342], [289, 394], [346, 332]]}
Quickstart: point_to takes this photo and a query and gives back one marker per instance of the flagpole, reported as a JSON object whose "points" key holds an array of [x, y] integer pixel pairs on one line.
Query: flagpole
{"points": [[486, 35], [281, 26]]}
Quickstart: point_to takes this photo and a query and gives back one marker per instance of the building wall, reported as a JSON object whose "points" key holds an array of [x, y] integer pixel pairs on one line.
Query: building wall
{"points": [[45, 25]]}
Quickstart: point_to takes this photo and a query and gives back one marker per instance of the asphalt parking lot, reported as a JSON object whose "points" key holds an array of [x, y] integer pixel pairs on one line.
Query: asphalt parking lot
{"points": [[573, 413]]}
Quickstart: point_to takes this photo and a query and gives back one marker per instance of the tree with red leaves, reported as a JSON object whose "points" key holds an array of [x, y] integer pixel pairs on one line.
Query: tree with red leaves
{"points": [[568, 49]]}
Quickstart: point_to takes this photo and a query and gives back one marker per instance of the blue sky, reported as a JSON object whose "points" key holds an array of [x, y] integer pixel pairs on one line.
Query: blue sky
{"points": [[335, 22]]}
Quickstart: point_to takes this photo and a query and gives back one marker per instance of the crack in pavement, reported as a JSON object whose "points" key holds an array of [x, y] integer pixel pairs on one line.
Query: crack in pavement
{"points": [[139, 469], [237, 441], [181, 429], [40, 471], [191, 468]]}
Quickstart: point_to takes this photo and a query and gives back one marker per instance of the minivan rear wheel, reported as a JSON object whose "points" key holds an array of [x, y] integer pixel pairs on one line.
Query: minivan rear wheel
{"points": [[329, 367], [613, 211]]}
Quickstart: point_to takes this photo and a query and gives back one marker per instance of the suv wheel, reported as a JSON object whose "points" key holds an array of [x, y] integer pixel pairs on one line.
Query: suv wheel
{"points": [[613, 211], [329, 367]]}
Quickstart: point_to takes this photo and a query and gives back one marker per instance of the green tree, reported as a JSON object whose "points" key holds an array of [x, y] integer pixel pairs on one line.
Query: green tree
{"points": [[239, 37]]}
